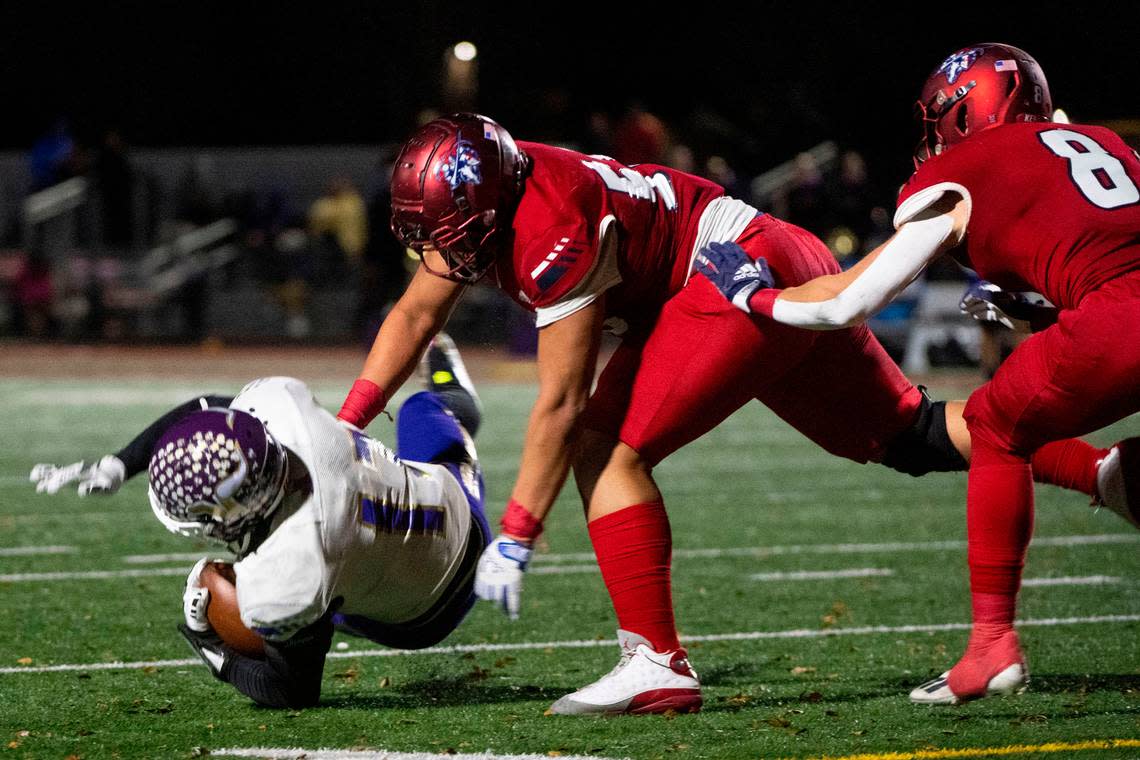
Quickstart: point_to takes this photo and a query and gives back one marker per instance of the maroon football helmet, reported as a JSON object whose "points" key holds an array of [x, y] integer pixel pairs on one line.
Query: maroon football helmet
{"points": [[455, 185], [979, 86]]}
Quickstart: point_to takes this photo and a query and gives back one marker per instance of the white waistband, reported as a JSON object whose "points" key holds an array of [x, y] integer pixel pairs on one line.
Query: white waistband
{"points": [[722, 220]]}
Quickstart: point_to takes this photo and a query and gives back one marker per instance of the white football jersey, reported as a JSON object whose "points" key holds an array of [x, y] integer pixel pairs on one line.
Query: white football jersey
{"points": [[383, 535]]}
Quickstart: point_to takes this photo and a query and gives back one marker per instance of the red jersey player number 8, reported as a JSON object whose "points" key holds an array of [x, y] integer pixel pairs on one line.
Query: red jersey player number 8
{"points": [[1098, 174]]}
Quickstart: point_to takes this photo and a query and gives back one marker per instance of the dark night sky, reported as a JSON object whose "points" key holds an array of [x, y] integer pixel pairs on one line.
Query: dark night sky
{"points": [[766, 80]]}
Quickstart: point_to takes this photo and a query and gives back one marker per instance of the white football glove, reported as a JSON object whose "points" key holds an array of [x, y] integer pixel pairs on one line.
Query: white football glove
{"points": [[195, 599], [103, 477], [499, 576], [987, 302]]}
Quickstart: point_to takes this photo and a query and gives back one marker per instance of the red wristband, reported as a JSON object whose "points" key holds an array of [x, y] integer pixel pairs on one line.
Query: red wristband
{"points": [[762, 301], [363, 403], [519, 522]]}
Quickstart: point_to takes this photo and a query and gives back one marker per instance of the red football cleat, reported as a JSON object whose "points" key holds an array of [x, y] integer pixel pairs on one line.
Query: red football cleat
{"points": [[999, 669]]}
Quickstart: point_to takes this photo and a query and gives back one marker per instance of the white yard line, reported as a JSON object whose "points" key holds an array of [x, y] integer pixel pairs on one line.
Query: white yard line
{"points": [[853, 548], [87, 575], [72, 517], [819, 575], [792, 575], [562, 563], [741, 551], [796, 633], [156, 559], [1079, 580], [298, 753], [33, 551]]}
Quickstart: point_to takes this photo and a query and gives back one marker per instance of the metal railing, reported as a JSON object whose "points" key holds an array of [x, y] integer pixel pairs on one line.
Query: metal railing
{"points": [[771, 181], [47, 222], [170, 266]]}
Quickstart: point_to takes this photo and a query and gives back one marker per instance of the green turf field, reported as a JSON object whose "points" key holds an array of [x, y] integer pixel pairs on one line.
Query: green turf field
{"points": [[793, 666]]}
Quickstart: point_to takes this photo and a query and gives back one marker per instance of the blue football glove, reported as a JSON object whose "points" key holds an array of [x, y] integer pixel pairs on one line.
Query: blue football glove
{"points": [[733, 272], [987, 302], [498, 578]]}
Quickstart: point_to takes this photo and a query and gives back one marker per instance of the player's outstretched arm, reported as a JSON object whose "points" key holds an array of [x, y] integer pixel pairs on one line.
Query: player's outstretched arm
{"points": [[108, 474], [836, 301], [567, 358], [421, 312]]}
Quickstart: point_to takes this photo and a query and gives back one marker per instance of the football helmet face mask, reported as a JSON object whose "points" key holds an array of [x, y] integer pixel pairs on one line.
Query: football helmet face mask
{"points": [[218, 475], [978, 87], [455, 186]]}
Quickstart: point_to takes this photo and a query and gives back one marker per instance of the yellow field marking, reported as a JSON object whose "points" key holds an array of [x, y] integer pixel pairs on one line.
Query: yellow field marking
{"points": [[1012, 749]]}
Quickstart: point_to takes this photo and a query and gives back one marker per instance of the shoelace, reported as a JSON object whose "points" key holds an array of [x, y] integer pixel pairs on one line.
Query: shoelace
{"points": [[626, 656]]}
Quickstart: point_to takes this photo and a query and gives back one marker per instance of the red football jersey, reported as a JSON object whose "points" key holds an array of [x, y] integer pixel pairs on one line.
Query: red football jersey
{"points": [[1054, 208], [572, 204]]}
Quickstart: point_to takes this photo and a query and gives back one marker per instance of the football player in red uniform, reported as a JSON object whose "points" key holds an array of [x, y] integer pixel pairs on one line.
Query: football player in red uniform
{"points": [[587, 243], [1030, 205]]}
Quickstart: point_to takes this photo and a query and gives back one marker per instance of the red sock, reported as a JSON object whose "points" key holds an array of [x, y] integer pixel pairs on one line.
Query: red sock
{"points": [[1069, 464], [999, 523], [999, 519], [634, 548]]}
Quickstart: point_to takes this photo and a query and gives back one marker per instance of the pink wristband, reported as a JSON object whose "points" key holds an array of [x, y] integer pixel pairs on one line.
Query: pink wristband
{"points": [[363, 403], [519, 522], [762, 301]]}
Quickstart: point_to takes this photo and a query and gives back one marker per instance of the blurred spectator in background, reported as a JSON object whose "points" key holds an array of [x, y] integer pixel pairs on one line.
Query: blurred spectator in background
{"points": [[804, 201], [197, 197], [339, 216], [197, 203], [33, 295], [853, 197], [641, 138], [721, 172], [283, 255], [682, 159], [383, 270], [113, 178], [599, 137], [54, 156], [294, 266]]}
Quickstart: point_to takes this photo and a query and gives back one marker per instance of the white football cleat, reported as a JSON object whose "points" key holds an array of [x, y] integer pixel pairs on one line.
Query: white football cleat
{"points": [[644, 681], [1118, 480], [1012, 680]]}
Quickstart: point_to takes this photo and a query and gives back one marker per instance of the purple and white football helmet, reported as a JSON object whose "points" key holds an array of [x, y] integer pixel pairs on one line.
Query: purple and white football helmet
{"points": [[217, 474]]}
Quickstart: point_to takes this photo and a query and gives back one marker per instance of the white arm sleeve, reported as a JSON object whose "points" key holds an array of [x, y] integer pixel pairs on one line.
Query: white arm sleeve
{"points": [[914, 246]]}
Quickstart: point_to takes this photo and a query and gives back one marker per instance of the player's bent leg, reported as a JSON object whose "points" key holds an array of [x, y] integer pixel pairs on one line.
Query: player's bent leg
{"points": [[938, 441], [999, 518], [1075, 377], [443, 372], [644, 681], [860, 416], [611, 475], [428, 431], [629, 530], [927, 445]]}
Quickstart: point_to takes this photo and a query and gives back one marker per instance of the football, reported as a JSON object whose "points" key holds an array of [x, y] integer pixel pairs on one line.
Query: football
{"points": [[223, 613]]}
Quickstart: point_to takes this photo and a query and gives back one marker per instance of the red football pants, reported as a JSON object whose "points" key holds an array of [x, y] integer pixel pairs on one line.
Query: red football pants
{"points": [[704, 359], [1077, 376]]}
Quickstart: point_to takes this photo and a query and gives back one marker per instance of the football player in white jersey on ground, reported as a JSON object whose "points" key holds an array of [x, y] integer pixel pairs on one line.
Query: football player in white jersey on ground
{"points": [[330, 530]]}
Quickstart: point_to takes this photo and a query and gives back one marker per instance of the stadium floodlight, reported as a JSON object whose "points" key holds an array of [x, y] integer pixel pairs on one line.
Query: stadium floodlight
{"points": [[465, 51]]}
